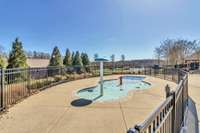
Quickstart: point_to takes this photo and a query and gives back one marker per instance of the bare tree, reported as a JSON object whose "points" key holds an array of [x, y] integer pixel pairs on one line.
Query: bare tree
{"points": [[158, 53], [112, 57], [122, 57], [175, 51]]}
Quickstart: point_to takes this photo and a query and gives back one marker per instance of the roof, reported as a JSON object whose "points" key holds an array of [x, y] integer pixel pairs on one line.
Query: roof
{"points": [[100, 59]]}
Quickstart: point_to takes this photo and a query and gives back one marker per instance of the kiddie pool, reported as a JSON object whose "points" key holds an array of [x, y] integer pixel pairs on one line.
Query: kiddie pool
{"points": [[112, 90]]}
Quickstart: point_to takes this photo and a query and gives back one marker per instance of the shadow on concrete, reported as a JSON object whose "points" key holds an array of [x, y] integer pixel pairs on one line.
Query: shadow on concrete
{"points": [[81, 102], [191, 118]]}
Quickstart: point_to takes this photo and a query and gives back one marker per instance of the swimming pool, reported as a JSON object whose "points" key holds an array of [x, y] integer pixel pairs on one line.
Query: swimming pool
{"points": [[112, 89]]}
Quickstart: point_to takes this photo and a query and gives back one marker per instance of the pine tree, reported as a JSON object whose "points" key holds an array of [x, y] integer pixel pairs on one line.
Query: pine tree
{"points": [[2, 62], [85, 59], [56, 59], [77, 59], [2, 56], [68, 58], [17, 57], [73, 57]]}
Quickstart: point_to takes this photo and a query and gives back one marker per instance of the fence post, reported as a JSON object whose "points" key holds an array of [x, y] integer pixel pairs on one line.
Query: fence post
{"points": [[179, 76], [173, 94], [29, 80], [167, 90], [2, 88], [47, 74], [164, 73], [150, 71], [187, 89], [173, 112]]}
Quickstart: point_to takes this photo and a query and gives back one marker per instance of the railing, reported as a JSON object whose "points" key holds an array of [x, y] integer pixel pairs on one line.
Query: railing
{"points": [[16, 84], [169, 116], [19, 83]]}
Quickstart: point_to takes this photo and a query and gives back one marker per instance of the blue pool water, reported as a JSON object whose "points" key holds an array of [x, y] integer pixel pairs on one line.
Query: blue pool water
{"points": [[112, 90]]}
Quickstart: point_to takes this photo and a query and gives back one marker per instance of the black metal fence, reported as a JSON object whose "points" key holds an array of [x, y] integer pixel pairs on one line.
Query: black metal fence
{"points": [[19, 83], [169, 116]]}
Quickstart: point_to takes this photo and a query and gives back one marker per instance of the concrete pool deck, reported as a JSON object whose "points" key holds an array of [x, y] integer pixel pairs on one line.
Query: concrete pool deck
{"points": [[194, 91], [50, 111]]}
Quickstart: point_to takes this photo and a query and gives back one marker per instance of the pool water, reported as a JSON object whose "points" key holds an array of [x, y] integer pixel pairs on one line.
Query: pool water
{"points": [[112, 90]]}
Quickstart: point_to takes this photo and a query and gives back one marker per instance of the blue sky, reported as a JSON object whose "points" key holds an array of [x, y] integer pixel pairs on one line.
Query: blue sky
{"points": [[130, 27]]}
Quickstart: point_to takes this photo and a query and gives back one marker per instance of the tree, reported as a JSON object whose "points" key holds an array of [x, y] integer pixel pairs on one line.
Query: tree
{"points": [[96, 56], [123, 57], [174, 51], [2, 62], [2, 56], [77, 59], [29, 54], [73, 57], [67, 61], [56, 59], [17, 57], [112, 57], [38, 55], [158, 53], [85, 59]]}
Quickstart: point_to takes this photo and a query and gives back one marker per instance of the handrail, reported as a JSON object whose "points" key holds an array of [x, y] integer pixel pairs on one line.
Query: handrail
{"points": [[154, 114], [176, 100]]}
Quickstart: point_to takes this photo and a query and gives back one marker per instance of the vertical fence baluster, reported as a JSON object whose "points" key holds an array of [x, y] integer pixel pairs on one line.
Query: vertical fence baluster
{"points": [[2, 88]]}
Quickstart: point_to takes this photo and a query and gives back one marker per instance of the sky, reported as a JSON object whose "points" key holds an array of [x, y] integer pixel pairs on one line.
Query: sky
{"points": [[130, 27]]}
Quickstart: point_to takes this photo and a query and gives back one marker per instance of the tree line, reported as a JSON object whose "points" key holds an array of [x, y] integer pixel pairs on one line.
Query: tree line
{"points": [[37, 55], [70, 59], [175, 51], [17, 57]]}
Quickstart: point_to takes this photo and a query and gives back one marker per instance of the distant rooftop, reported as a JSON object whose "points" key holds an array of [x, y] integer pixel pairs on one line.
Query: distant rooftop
{"points": [[100, 59], [38, 62]]}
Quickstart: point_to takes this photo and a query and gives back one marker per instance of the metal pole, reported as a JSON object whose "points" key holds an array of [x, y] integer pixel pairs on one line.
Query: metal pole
{"points": [[101, 77], [174, 113], [29, 80], [2, 88]]}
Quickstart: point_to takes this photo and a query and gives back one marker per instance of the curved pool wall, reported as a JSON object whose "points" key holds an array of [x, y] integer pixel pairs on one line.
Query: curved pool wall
{"points": [[112, 89]]}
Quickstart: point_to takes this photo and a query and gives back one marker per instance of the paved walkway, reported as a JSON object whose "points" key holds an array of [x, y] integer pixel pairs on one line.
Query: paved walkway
{"points": [[50, 111], [194, 91]]}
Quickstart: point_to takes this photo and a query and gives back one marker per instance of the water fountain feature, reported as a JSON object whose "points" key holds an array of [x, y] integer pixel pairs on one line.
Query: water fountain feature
{"points": [[101, 60]]}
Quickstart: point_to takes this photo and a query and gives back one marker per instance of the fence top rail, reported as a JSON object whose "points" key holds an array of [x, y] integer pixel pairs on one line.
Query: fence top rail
{"points": [[164, 104], [154, 114], [178, 88], [180, 85]]}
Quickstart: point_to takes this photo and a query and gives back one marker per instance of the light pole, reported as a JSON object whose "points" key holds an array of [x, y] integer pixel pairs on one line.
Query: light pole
{"points": [[101, 77]]}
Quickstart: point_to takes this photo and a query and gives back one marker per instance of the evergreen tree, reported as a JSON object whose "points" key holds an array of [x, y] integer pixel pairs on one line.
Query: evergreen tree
{"points": [[122, 57], [77, 59], [2, 56], [73, 57], [2, 62], [85, 59], [56, 59], [67, 59], [17, 57]]}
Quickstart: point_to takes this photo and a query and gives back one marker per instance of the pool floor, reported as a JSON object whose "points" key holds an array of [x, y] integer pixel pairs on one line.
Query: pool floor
{"points": [[112, 90]]}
